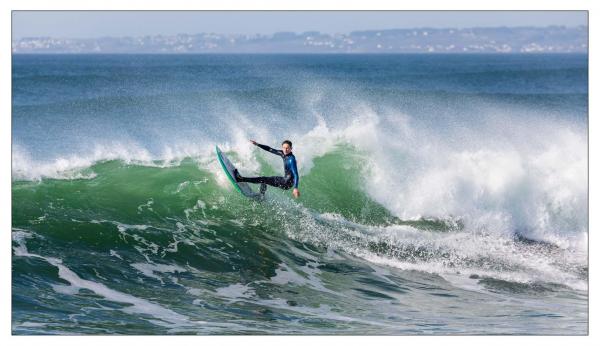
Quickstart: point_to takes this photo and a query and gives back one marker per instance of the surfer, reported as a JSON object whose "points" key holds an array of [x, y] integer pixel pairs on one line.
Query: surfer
{"points": [[290, 178]]}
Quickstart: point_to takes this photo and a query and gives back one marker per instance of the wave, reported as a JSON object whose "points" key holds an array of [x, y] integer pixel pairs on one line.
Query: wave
{"points": [[378, 189], [502, 173]]}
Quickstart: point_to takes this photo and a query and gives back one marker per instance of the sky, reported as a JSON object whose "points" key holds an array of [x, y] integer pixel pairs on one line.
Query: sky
{"points": [[92, 24]]}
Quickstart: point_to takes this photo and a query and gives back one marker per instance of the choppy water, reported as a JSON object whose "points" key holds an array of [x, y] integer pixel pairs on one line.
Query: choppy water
{"points": [[440, 195]]}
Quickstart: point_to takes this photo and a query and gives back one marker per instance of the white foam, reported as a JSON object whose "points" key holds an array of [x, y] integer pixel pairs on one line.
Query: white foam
{"points": [[200, 205], [524, 172], [445, 253], [149, 269], [236, 291], [70, 166], [115, 254], [73, 166], [32, 324], [147, 206], [285, 275]]}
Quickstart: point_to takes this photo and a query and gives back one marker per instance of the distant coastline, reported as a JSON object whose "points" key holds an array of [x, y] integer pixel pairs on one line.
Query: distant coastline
{"points": [[503, 40]]}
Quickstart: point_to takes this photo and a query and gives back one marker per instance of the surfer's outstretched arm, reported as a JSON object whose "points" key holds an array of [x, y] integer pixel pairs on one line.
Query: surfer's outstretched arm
{"points": [[268, 148]]}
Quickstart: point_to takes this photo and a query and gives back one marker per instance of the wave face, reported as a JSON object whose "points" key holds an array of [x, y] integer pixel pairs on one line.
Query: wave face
{"points": [[440, 195]]}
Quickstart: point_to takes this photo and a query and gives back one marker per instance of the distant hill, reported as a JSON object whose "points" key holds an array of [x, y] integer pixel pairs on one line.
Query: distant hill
{"points": [[552, 39]]}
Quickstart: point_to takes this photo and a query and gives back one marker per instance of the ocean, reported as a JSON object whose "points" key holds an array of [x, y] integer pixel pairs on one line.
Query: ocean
{"points": [[440, 194]]}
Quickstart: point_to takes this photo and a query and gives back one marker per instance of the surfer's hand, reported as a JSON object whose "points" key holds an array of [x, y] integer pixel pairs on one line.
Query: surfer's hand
{"points": [[253, 141], [296, 193]]}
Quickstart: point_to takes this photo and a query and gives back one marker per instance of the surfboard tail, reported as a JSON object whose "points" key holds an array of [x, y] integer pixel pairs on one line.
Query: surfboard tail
{"points": [[230, 170]]}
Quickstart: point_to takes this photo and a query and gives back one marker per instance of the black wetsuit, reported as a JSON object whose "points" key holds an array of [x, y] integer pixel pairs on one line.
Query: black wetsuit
{"points": [[291, 177]]}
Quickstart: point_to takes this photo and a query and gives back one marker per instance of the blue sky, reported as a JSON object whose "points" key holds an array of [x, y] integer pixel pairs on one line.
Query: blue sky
{"points": [[79, 24]]}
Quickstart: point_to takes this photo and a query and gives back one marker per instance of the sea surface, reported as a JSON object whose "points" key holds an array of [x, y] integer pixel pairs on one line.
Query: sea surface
{"points": [[440, 194]]}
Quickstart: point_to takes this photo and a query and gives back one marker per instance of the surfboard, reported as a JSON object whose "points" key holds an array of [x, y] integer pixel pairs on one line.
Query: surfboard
{"points": [[242, 187]]}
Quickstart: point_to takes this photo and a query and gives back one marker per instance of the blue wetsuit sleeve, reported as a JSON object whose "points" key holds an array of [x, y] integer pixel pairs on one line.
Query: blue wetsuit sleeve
{"points": [[295, 172], [269, 149]]}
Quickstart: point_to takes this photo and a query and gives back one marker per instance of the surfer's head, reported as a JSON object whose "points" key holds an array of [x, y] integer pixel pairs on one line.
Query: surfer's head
{"points": [[286, 146]]}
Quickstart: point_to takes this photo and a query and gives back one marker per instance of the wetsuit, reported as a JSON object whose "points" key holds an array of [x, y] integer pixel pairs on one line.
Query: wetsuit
{"points": [[290, 178]]}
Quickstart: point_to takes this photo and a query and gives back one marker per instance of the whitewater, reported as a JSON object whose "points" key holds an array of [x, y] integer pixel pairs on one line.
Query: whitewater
{"points": [[441, 194]]}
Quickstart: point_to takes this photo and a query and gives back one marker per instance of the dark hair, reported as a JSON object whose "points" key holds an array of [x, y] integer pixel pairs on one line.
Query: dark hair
{"points": [[287, 141]]}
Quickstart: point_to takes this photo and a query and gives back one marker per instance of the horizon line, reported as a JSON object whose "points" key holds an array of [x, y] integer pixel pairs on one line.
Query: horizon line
{"points": [[313, 31]]}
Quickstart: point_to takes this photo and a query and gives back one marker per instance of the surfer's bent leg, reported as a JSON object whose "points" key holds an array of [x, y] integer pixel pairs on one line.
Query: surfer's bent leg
{"points": [[280, 182], [273, 181]]}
